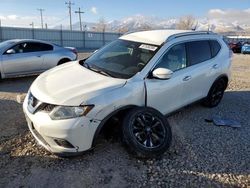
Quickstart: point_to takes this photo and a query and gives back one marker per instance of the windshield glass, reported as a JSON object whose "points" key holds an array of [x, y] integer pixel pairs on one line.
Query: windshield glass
{"points": [[121, 58], [6, 43]]}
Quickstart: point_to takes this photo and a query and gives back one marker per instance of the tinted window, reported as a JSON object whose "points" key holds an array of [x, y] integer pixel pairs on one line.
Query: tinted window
{"points": [[36, 47], [174, 59], [31, 47], [198, 51], [215, 47], [45, 47]]}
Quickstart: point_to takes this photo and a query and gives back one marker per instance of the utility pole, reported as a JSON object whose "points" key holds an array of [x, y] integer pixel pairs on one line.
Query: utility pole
{"points": [[32, 25], [41, 14], [69, 3], [33, 32], [1, 35], [80, 17]]}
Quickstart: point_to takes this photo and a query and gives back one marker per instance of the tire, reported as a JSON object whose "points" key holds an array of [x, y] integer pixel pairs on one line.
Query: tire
{"points": [[215, 93], [62, 61], [146, 132]]}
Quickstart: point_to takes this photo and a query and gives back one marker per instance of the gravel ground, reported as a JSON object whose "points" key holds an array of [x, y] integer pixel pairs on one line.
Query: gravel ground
{"points": [[201, 154]]}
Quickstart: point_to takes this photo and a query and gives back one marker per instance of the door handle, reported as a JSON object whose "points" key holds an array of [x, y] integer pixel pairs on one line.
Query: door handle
{"points": [[215, 66], [186, 78], [38, 55]]}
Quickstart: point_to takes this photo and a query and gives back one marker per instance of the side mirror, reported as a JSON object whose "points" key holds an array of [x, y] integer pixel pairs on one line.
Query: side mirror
{"points": [[162, 73], [10, 51]]}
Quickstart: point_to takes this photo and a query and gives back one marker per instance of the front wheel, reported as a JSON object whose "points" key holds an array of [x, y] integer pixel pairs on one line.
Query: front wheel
{"points": [[146, 132]]}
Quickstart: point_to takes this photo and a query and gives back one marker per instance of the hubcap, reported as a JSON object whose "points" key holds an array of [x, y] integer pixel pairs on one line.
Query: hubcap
{"points": [[148, 130]]}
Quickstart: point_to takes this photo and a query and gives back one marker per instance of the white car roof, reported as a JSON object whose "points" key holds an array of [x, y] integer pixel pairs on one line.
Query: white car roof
{"points": [[155, 37]]}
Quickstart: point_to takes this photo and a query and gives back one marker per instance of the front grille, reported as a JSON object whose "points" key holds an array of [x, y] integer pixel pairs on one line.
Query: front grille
{"points": [[34, 105], [48, 107]]}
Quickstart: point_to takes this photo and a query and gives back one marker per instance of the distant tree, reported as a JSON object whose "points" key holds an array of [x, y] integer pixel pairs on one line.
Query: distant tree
{"points": [[145, 27], [186, 23], [123, 29], [101, 25]]}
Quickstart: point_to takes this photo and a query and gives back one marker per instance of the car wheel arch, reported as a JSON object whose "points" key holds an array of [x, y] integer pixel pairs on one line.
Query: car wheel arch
{"points": [[224, 77], [63, 60], [101, 126]]}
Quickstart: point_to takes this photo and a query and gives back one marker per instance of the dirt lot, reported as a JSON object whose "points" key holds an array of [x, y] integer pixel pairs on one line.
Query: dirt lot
{"points": [[201, 155]]}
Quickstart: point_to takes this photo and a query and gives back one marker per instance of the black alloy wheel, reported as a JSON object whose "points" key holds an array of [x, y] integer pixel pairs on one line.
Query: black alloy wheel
{"points": [[146, 132]]}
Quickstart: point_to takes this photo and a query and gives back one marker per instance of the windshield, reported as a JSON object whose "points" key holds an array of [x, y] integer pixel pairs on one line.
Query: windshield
{"points": [[121, 58], [6, 43]]}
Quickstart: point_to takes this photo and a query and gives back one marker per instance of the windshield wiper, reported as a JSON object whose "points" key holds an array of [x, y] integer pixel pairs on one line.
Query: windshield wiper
{"points": [[97, 70], [101, 72], [86, 65]]}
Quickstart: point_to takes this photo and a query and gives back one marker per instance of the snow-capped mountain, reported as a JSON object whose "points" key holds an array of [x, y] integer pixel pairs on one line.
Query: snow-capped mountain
{"points": [[139, 22]]}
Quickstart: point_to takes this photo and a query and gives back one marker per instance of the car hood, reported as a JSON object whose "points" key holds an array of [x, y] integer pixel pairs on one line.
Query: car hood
{"points": [[72, 84]]}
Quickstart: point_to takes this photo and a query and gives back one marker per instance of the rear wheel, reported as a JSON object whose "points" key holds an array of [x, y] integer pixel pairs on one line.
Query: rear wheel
{"points": [[62, 61], [146, 132], [215, 93]]}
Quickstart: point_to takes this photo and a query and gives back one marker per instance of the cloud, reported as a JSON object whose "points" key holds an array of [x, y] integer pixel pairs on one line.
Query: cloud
{"points": [[25, 21], [230, 15], [94, 10]]}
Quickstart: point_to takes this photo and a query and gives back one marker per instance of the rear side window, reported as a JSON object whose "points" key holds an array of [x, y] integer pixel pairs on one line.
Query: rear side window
{"points": [[215, 47], [37, 46], [198, 51]]}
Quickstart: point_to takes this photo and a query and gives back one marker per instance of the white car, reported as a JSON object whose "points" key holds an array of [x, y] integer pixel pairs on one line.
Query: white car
{"points": [[138, 78]]}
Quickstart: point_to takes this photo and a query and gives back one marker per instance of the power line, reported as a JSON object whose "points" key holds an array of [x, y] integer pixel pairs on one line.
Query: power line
{"points": [[69, 3], [41, 14], [80, 17]]}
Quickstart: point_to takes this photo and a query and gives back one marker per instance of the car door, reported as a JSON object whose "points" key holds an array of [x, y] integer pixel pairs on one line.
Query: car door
{"points": [[166, 95], [200, 71], [50, 58], [22, 58]]}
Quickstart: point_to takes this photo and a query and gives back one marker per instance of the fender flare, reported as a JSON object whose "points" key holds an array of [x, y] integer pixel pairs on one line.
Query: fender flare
{"points": [[223, 76], [99, 128]]}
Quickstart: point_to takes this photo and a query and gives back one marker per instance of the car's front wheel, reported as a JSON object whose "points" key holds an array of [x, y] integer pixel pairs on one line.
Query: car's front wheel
{"points": [[146, 132]]}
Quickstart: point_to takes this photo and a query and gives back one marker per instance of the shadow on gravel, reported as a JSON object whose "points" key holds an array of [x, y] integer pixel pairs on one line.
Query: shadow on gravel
{"points": [[16, 85]]}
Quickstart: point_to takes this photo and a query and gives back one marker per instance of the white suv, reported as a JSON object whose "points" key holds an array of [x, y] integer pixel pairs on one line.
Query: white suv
{"points": [[137, 78]]}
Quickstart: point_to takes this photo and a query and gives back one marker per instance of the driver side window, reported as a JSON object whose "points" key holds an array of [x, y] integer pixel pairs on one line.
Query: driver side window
{"points": [[19, 48], [174, 59]]}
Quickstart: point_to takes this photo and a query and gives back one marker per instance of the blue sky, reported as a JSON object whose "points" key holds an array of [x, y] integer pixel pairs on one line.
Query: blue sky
{"points": [[21, 12]]}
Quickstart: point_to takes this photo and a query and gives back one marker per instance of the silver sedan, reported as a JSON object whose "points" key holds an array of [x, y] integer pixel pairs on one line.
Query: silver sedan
{"points": [[24, 57]]}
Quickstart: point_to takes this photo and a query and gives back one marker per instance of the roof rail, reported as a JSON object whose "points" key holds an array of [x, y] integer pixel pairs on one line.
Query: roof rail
{"points": [[189, 33]]}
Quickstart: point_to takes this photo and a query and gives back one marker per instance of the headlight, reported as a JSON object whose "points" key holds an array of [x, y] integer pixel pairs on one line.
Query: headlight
{"points": [[67, 112]]}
